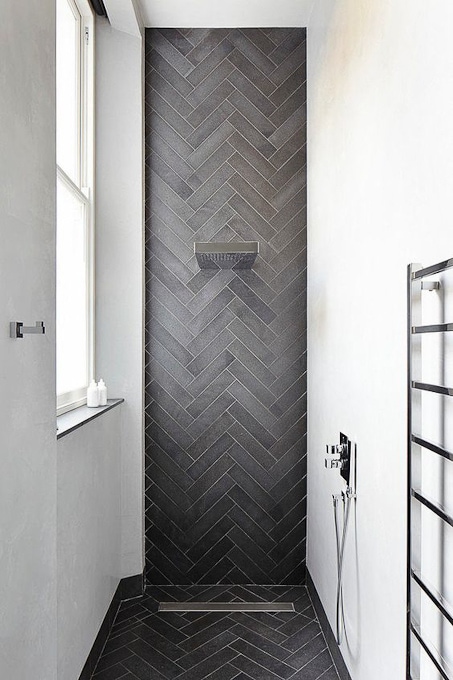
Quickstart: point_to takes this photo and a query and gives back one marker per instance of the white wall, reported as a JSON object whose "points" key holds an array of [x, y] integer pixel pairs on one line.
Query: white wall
{"points": [[89, 535], [27, 366], [224, 13], [119, 261], [380, 177]]}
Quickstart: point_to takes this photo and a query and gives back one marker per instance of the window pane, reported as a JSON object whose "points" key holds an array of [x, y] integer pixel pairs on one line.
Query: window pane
{"points": [[68, 47], [72, 282]]}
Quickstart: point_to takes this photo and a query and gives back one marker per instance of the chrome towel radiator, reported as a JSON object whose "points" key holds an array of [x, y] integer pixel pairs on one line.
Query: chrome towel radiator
{"points": [[429, 614]]}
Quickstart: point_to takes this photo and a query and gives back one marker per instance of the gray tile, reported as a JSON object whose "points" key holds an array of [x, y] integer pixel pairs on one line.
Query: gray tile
{"points": [[253, 342], [215, 181], [173, 138], [289, 65], [248, 463], [288, 86], [252, 383], [253, 135], [210, 207], [210, 144], [253, 114], [169, 384], [175, 224], [163, 356], [253, 447], [168, 196], [169, 321], [206, 480], [253, 73], [250, 215], [171, 240], [206, 377], [211, 352], [210, 435], [177, 39], [211, 330], [290, 189], [249, 194], [253, 176], [252, 93], [219, 153], [210, 104], [167, 92], [294, 165], [246, 357], [170, 177], [242, 42], [161, 147], [289, 126], [213, 59], [208, 126], [171, 54], [254, 407], [249, 298], [210, 40], [251, 154], [287, 47], [224, 474], [169, 281], [209, 84], [180, 435], [251, 424], [173, 118], [169, 341], [157, 63], [211, 310]]}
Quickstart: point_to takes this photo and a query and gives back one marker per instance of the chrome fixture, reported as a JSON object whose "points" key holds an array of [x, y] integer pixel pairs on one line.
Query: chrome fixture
{"points": [[17, 329], [340, 457], [226, 255], [430, 285], [423, 645], [226, 607]]}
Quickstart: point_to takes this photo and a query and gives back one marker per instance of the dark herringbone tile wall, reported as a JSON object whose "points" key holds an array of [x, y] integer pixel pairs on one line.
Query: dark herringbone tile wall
{"points": [[225, 351]]}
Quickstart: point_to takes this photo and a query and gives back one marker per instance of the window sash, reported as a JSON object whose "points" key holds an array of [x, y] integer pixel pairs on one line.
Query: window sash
{"points": [[82, 186]]}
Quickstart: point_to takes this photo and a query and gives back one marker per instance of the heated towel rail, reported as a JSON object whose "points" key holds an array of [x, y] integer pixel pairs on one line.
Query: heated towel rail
{"points": [[425, 657]]}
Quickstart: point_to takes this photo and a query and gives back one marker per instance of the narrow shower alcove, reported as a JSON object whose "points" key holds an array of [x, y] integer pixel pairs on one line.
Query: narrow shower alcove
{"points": [[225, 349], [225, 343]]}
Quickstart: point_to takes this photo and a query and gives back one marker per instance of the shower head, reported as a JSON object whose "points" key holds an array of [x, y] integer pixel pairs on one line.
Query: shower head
{"points": [[239, 254]]}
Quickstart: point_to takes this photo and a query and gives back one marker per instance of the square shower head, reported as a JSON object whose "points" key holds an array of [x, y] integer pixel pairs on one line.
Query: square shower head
{"points": [[237, 255]]}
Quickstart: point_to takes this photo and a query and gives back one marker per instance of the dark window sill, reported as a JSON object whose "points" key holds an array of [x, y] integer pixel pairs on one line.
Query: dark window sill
{"points": [[68, 422]]}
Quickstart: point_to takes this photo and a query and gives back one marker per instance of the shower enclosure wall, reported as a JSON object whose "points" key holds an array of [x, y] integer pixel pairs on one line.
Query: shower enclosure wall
{"points": [[225, 350]]}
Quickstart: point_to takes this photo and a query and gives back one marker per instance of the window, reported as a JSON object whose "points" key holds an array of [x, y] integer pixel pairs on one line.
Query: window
{"points": [[75, 210]]}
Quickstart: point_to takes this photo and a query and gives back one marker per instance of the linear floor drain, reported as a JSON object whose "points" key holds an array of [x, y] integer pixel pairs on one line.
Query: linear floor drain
{"points": [[226, 607]]}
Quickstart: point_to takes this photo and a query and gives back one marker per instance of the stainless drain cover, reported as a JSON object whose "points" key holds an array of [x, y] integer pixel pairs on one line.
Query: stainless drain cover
{"points": [[226, 607]]}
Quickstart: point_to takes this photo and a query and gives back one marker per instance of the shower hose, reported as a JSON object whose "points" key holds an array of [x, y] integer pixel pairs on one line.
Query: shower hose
{"points": [[340, 541]]}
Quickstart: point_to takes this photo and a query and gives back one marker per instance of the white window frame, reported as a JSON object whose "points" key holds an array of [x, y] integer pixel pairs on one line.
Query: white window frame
{"points": [[83, 188]]}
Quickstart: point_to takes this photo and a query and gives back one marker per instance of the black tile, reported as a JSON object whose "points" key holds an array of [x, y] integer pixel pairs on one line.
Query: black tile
{"points": [[225, 352]]}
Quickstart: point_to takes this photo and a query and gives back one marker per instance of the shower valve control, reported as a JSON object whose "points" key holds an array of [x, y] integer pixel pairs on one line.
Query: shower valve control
{"points": [[333, 449], [339, 456], [333, 463]]}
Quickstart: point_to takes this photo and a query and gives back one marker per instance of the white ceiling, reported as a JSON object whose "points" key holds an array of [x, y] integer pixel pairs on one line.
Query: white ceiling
{"points": [[224, 13]]}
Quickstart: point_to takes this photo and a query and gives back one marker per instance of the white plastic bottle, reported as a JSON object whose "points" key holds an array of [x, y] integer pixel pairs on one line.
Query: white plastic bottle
{"points": [[102, 391], [92, 395]]}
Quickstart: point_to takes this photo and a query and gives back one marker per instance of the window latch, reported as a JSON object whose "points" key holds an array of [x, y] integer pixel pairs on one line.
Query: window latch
{"points": [[18, 330]]}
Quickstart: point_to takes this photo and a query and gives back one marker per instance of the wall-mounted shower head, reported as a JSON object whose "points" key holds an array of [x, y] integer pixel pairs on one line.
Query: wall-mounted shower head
{"points": [[238, 254]]}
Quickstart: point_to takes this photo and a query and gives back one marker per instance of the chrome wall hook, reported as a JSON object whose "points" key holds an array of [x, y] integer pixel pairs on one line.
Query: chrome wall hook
{"points": [[18, 330]]}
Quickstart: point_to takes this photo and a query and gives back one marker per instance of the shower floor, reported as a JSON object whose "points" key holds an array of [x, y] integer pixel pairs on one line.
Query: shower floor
{"points": [[145, 644]]}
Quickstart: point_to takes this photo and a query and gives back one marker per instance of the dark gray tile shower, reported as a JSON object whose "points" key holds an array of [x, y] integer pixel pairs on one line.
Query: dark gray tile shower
{"points": [[145, 643], [225, 350]]}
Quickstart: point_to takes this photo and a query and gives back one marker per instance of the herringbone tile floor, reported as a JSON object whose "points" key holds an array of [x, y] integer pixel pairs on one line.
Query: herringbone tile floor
{"points": [[149, 645]]}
